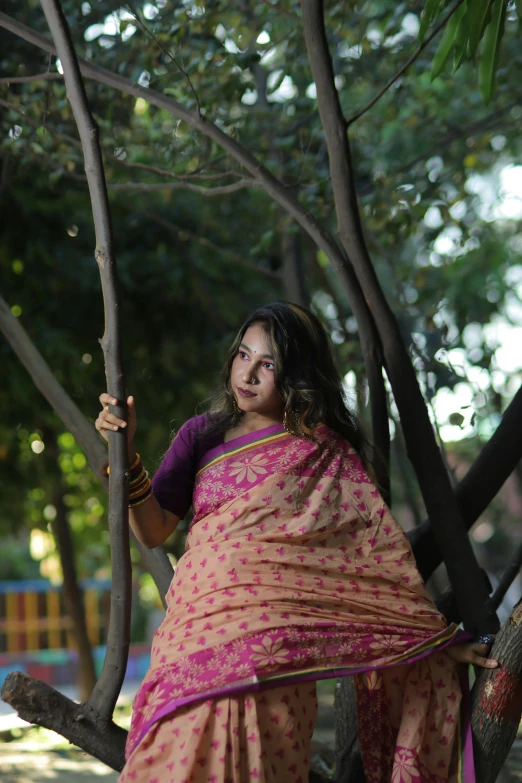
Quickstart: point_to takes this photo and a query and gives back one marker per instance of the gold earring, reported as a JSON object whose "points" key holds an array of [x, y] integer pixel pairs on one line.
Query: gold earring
{"points": [[294, 428], [235, 407]]}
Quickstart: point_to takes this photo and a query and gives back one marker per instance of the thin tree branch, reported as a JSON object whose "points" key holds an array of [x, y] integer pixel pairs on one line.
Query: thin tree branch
{"points": [[103, 699], [451, 535], [37, 77], [189, 175], [274, 187], [217, 190], [284, 11], [406, 65], [155, 560], [167, 54], [236, 258]]}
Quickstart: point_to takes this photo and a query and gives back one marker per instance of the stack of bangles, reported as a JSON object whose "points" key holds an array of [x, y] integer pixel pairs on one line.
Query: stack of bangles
{"points": [[140, 487]]}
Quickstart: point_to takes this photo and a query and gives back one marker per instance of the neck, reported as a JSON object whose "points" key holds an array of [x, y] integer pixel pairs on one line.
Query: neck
{"points": [[250, 422]]}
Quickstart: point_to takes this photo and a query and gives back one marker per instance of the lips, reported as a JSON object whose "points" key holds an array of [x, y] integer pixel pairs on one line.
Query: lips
{"points": [[245, 392]]}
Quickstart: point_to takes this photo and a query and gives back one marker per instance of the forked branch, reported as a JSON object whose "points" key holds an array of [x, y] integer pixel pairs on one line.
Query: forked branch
{"points": [[448, 528], [103, 699]]}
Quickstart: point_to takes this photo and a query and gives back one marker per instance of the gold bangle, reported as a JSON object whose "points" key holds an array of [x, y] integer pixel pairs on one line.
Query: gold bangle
{"points": [[134, 485], [138, 494], [139, 502], [138, 459]]}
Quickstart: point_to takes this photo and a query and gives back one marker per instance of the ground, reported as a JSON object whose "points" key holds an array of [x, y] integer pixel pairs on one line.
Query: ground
{"points": [[35, 755]]}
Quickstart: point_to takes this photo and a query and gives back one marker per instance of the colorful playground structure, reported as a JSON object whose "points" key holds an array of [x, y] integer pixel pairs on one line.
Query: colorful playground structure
{"points": [[36, 632]]}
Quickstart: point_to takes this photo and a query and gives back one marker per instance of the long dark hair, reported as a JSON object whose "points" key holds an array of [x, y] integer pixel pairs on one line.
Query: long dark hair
{"points": [[306, 377]]}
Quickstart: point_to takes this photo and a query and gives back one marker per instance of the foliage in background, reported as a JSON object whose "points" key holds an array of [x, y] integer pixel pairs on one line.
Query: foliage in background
{"points": [[431, 161]]}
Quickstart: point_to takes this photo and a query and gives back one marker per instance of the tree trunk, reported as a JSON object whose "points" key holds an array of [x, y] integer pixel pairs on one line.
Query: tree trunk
{"points": [[71, 589], [348, 759], [154, 560], [293, 269], [496, 701], [448, 528], [36, 702], [103, 699]]}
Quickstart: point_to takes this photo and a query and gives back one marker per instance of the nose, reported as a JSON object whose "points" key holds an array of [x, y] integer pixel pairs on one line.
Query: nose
{"points": [[249, 376]]}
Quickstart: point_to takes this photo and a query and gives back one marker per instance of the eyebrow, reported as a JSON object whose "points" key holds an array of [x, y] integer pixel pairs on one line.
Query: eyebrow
{"points": [[265, 356]]}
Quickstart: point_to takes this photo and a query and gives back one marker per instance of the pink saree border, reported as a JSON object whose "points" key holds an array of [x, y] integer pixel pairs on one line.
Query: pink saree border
{"points": [[254, 684], [229, 447]]}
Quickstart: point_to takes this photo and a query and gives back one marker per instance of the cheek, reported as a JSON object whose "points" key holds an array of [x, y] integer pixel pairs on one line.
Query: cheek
{"points": [[271, 387]]}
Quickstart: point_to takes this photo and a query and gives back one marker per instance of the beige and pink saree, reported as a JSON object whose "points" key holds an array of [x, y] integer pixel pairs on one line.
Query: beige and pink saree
{"points": [[294, 571]]}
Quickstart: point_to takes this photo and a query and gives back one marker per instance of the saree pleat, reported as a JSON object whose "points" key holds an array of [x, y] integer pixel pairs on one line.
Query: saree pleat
{"points": [[295, 570], [263, 737]]}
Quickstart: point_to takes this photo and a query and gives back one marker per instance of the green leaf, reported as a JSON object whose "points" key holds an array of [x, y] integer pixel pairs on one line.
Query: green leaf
{"points": [[446, 42], [491, 49], [460, 42], [432, 9], [477, 19]]}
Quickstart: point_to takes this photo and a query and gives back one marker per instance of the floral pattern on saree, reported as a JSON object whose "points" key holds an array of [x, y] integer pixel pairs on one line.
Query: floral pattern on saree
{"points": [[295, 569]]}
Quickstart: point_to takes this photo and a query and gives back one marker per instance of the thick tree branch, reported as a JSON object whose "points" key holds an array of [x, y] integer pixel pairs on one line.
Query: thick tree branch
{"points": [[37, 77], [496, 701], [154, 560], [38, 703], [405, 67], [107, 689], [274, 187], [495, 463], [452, 539]]}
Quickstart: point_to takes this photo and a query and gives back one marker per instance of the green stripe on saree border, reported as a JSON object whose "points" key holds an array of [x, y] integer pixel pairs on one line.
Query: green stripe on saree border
{"points": [[239, 449], [396, 662]]}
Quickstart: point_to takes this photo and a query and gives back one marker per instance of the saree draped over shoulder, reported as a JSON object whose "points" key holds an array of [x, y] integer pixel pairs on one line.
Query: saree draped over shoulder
{"points": [[294, 571]]}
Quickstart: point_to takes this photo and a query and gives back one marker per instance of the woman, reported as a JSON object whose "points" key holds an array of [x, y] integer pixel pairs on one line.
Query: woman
{"points": [[294, 571]]}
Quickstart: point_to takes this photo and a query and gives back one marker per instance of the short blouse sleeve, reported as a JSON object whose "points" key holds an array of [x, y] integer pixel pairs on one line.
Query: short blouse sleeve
{"points": [[173, 482]]}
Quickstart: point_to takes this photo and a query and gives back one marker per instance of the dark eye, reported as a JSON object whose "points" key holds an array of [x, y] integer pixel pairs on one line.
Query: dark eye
{"points": [[241, 354]]}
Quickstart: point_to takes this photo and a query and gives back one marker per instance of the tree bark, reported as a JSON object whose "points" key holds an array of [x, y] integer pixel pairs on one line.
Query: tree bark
{"points": [[497, 460], [480, 491], [448, 528], [348, 759], [496, 701], [154, 560], [293, 271], [38, 703], [276, 189], [107, 689]]}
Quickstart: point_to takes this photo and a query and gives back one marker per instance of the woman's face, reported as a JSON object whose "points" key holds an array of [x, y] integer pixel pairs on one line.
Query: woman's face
{"points": [[252, 376]]}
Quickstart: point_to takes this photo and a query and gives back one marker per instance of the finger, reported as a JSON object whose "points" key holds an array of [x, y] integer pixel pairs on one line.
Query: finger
{"points": [[110, 421], [485, 663], [107, 399]]}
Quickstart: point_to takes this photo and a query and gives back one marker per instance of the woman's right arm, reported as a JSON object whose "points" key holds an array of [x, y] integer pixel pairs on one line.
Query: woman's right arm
{"points": [[151, 524]]}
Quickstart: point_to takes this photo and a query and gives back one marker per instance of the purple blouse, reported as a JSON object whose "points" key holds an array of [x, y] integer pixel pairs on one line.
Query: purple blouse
{"points": [[173, 482]]}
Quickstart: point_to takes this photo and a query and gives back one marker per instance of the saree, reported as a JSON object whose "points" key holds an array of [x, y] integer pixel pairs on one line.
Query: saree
{"points": [[295, 571]]}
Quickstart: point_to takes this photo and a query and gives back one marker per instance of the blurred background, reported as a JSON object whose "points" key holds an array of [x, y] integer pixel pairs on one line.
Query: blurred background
{"points": [[198, 245]]}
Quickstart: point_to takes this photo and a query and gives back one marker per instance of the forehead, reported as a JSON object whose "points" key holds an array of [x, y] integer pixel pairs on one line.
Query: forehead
{"points": [[256, 339]]}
